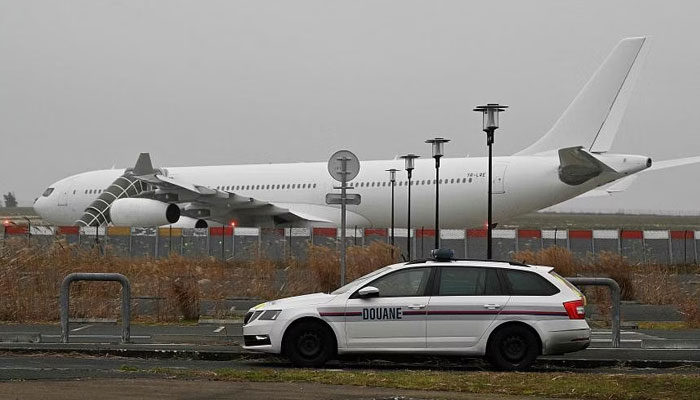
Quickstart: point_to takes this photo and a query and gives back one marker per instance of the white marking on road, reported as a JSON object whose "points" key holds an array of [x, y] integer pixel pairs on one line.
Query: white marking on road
{"points": [[219, 329], [621, 341], [96, 336], [81, 328]]}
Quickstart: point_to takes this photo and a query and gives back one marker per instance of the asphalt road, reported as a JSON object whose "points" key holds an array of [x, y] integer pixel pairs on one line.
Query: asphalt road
{"points": [[95, 352], [72, 376], [145, 388]]}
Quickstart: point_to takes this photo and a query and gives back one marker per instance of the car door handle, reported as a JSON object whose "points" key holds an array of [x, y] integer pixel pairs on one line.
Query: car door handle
{"points": [[416, 306], [492, 306]]}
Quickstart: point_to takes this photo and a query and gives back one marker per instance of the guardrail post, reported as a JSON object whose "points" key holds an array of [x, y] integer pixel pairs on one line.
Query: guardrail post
{"points": [[615, 297], [102, 277]]}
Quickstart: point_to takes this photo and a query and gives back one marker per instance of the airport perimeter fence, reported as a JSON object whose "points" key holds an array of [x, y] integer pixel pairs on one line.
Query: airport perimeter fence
{"points": [[241, 243]]}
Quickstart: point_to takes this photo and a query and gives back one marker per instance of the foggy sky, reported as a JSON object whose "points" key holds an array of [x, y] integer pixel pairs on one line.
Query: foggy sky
{"points": [[90, 84]]}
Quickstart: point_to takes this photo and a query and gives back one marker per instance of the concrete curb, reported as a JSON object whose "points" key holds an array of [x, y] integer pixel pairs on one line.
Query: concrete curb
{"points": [[136, 351], [581, 363], [671, 344], [20, 337]]}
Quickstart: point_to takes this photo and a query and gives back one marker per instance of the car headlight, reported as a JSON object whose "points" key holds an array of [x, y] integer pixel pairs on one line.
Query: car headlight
{"points": [[270, 315], [251, 316]]}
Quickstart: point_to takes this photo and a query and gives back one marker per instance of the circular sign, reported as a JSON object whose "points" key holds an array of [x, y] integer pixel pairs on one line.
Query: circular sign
{"points": [[340, 158]]}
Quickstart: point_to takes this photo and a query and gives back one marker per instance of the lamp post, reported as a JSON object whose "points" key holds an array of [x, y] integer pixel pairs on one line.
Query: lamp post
{"points": [[409, 160], [392, 180], [490, 124], [29, 231], [438, 152], [223, 238]]}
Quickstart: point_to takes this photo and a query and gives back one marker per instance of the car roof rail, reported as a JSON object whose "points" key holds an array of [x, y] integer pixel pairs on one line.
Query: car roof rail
{"points": [[447, 254], [424, 260]]}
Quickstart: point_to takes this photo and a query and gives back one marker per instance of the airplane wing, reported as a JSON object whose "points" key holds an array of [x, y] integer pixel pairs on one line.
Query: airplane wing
{"points": [[198, 201], [202, 202]]}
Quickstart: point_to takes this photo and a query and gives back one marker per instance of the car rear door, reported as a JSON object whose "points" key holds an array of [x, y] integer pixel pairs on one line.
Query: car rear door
{"points": [[394, 319], [465, 302]]}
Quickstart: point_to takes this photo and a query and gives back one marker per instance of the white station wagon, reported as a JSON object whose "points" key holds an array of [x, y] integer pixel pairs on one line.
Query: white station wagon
{"points": [[508, 312]]}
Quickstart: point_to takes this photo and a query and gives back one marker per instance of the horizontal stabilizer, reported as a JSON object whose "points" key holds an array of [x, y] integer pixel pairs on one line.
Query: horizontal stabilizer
{"points": [[617, 187], [624, 183], [673, 163]]}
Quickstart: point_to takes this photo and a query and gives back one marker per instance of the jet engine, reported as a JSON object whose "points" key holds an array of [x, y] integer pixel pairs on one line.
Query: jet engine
{"points": [[143, 212], [189, 222]]}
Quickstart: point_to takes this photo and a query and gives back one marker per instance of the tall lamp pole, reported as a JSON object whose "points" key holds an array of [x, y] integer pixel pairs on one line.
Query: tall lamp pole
{"points": [[490, 124], [392, 181], [29, 231], [438, 152], [409, 160]]}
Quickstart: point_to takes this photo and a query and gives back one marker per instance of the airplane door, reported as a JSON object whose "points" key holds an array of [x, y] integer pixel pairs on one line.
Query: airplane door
{"points": [[499, 177], [63, 198]]}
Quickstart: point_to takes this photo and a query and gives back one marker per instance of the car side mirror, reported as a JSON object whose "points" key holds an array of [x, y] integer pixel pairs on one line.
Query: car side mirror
{"points": [[368, 291]]}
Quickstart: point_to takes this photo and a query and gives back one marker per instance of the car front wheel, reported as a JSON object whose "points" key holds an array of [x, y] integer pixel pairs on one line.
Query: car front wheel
{"points": [[309, 344], [513, 348]]}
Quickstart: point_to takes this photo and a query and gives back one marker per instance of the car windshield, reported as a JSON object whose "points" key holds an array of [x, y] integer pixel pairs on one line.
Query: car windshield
{"points": [[347, 286]]}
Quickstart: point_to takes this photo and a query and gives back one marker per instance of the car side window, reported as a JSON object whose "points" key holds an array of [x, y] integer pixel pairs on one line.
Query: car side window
{"points": [[404, 283], [523, 283], [469, 281]]}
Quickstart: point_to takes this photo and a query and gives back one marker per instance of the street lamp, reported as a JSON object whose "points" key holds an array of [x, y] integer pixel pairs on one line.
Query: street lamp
{"points": [[29, 232], [223, 238], [490, 124], [438, 152], [392, 180], [409, 160]]}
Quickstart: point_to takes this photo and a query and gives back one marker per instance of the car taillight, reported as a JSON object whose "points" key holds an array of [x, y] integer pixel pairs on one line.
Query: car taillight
{"points": [[575, 309]]}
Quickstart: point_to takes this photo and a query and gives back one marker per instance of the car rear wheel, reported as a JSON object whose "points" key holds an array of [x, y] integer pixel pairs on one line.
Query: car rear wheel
{"points": [[309, 344], [513, 348]]}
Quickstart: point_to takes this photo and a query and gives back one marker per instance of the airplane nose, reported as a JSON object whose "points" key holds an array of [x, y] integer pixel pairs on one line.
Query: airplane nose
{"points": [[40, 206]]}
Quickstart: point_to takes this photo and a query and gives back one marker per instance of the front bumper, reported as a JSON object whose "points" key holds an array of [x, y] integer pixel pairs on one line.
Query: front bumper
{"points": [[256, 340], [264, 336]]}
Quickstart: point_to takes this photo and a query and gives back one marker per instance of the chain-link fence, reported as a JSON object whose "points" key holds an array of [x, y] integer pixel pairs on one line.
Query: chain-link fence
{"points": [[242, 243]]}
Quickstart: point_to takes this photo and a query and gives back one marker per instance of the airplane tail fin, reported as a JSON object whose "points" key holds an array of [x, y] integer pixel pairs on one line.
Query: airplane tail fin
{"points": [[593, 117], [143, 165]]}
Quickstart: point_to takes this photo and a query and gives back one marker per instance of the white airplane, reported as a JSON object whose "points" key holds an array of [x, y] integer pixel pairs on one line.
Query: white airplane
{"points": [[570, 160]]}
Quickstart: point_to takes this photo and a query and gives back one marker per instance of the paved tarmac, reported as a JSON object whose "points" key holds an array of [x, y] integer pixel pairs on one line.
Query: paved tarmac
{"points": [[167, 389], [34, 365], [222, 341]]}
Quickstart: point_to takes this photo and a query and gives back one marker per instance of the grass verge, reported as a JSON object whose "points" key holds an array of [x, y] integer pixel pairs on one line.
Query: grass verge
{"points": [[549, 384], [664, 325]]}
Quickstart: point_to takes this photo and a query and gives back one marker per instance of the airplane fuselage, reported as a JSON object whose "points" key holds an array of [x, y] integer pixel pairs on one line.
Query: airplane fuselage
{"points": [[521, 184]]}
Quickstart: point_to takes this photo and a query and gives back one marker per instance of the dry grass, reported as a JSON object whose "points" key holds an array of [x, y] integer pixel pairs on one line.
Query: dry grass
{"points": [[30, 281], [646, 283], [321, 271]]}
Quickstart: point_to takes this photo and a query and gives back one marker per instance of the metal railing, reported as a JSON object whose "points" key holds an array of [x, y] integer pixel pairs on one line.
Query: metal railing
{"points": [[101, 277], [614, 296]]}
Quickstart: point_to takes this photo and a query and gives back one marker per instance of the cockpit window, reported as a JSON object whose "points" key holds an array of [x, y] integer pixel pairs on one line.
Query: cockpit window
{"points": [[47, 192]]}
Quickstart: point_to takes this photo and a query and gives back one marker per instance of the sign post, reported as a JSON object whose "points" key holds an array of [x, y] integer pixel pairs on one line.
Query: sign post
{"points": [[343, 167]]}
